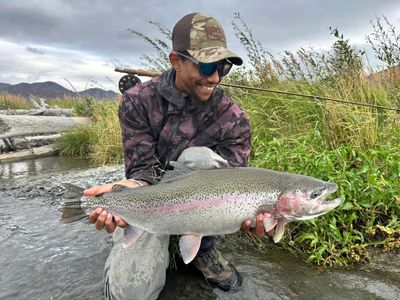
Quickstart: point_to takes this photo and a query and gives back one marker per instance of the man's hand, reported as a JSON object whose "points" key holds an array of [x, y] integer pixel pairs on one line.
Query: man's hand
{"points": [[101, 217], [259, 228], [104, 219]]}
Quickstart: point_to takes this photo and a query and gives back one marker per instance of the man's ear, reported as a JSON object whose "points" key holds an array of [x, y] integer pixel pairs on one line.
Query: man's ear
{"points": [[175, 61]]}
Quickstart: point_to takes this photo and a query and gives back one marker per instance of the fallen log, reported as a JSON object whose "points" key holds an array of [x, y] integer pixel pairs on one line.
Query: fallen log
{"points": [[37, 152], [51, 137], [27, 142], [67, 112], [15, 125]]}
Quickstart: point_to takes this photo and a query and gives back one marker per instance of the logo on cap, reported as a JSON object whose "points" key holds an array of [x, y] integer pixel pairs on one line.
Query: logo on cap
{"points": [[214, 33]]}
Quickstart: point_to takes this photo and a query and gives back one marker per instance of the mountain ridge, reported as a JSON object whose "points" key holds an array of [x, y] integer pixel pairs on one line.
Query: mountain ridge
{"points": [[51, 90]]}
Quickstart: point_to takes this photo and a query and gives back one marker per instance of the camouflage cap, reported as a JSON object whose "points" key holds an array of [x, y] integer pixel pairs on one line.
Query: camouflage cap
{"points": [[203, 38]]}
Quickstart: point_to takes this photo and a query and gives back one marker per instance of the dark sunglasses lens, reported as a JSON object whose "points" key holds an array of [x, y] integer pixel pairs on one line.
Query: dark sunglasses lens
{"points": [[224, 69], [207, 69]]}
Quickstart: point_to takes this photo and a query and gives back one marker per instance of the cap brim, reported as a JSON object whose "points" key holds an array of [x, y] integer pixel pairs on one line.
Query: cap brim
{"points": [[214, 54]]}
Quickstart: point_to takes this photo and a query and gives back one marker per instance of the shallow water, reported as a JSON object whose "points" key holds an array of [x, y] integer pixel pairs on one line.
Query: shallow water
{"points": [[39, 258], [278, 275], [43, 259]]}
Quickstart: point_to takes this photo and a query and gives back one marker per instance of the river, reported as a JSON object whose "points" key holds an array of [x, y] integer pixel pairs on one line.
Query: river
{"points": [[44, 259]]}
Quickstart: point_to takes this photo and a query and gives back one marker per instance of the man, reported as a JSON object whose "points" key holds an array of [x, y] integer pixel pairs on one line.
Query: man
{"points": [[181, 109]]}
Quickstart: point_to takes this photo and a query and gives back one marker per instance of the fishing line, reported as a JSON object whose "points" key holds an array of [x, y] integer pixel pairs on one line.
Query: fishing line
{"points": [[310, 96]]}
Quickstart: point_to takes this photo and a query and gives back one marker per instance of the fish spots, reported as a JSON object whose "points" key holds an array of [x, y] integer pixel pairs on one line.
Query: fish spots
{"points": [[202, 204], [191, 205]]}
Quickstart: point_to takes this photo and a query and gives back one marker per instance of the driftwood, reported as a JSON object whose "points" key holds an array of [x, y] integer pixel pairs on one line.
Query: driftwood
{"points": [[38, 102], [51, 137], [67, 112], [34, 130], [15, 126], [27, 142], [42, 151]]}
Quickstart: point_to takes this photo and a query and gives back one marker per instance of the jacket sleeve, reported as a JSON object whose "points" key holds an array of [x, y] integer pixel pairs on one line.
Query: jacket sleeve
{"points": [[235, 146], [138, 142]]}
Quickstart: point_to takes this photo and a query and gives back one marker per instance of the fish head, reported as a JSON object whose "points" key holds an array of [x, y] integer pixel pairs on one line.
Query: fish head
{"points": [[305, 198]]}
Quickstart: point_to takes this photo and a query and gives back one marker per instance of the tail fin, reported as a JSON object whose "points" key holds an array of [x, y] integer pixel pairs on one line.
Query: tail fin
{"points": [[71, 208]]}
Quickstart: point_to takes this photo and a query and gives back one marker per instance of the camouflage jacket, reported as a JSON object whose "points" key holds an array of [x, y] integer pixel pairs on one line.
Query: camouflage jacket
{"points": [[158, 123]]}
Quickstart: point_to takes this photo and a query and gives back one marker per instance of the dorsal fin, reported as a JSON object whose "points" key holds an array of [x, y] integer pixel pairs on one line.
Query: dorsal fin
{"points": [[72, 191], [180, 171]]}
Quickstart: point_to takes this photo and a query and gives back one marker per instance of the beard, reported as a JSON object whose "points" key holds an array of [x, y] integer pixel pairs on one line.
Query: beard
{"points": [[203, 104]]}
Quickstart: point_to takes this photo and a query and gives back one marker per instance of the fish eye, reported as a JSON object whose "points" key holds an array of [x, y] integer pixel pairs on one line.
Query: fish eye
{"points": [[315, 194]]}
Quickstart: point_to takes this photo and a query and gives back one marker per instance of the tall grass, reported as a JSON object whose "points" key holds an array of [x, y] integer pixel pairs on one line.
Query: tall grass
{"points": [[80, 105], [338, 73], [106, 140], [13, 102], [65, 102], [101, 140]]}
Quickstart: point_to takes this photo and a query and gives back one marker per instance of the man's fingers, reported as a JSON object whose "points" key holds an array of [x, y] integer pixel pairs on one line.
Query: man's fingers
{"points": [[99, 189], [259, 229], [246, 226], [104, 219], [94, 215], [101, 219], [120, 223], [93, 191], [110, 224]]}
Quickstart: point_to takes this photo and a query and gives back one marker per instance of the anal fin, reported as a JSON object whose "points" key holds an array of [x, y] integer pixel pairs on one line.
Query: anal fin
{"points": [[189, 245], [131, 234]]}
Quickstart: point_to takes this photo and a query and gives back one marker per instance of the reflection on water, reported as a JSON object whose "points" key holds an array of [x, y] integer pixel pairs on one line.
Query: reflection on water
{"points": [[40, 166]]}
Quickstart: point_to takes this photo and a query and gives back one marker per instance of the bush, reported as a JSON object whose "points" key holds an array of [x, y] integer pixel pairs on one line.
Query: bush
{"points": [[368, 183]]}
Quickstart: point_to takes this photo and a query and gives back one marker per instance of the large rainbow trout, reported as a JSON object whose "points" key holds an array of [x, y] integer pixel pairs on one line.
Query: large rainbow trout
{"points": [[196, 203]]}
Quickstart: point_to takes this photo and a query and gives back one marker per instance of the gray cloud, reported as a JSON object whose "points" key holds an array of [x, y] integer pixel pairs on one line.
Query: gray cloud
{"points": [[99, 28], [36, 50]]}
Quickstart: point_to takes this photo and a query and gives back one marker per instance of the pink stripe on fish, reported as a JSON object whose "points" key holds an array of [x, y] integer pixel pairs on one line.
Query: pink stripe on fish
{"points": [[193, 205]]}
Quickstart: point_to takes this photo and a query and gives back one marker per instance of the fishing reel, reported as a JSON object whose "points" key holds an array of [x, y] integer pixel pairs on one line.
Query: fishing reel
{"points": [[127, 81]]}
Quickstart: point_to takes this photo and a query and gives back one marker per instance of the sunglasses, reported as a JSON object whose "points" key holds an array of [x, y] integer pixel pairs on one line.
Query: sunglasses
{"points": [[207, 69]]}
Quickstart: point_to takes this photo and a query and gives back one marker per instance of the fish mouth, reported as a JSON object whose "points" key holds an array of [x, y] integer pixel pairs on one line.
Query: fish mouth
{"points": [[318, 206], [322, 207]]}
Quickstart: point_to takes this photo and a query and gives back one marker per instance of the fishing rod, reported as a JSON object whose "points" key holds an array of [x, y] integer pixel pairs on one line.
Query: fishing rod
{"points": [[131, 79]]}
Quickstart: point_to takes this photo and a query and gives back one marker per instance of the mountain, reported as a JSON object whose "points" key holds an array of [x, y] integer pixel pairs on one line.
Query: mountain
{"points": [[46, 89], [97, 93], [51, 90], [3, 85]]}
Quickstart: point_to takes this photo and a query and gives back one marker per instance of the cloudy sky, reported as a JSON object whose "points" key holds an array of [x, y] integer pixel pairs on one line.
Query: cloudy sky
{"points": [[81, 41]]}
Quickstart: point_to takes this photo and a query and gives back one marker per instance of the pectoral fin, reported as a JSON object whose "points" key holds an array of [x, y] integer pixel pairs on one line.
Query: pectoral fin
{"points": [[279, 230], [131, 234], [269, 223], [189, 245]]}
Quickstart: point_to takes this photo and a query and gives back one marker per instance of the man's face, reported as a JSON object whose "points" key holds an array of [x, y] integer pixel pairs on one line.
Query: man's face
{"points": [[189, 80]]}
